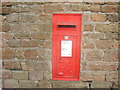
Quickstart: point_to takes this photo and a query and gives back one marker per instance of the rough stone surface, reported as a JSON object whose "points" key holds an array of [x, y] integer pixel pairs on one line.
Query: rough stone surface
{"points": [[26, 44], [10, 83], [20, 75]]}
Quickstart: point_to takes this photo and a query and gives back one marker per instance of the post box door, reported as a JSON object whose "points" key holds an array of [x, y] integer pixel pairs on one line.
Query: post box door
{"points": [[66, 49]]}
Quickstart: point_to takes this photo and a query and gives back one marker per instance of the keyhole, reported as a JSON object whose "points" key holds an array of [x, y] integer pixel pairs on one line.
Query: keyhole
{"points": [[60, 59]]}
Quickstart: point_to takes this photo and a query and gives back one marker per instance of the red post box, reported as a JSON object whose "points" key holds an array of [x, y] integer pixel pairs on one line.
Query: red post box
{"points": [[66, 43]]}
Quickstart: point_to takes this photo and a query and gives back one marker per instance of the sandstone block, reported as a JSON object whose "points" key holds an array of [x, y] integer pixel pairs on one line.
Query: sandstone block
{"points": [[20, 75], [10, 83]]}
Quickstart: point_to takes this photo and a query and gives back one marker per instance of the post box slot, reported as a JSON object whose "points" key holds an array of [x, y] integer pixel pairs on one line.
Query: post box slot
{"points": [[66, 26]]}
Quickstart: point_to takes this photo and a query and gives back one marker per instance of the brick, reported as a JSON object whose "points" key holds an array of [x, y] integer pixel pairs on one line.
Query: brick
{"points": [[13, 17], [52, 8], [15, 65], [36, 9], [99, 66], [5, 10], [104, 44], [92, 76], [19, 54], [28, 84], [112, 76], [83, 65], [47, 75], [88, 27], [45, 18], [6, 36], [45, 44], [14, 43], [75, 8], [41, 36], [10, 83], [94, 55], [46, 55], [6, 74], [5, 27], [113, 17], [109, 8], [98, 18], [15, 28], [88, 44], [29, 43], [27, 17], [93, 8], [69, 84], [101, 84], [111, 55], [20, 75], [110, 35], [86, 18], [8, 53], [34, 65], [115, 44], [32, 55], [107, 27], [45, 84], [20, 9], [22, 35], [36, 75], [94, 35]]}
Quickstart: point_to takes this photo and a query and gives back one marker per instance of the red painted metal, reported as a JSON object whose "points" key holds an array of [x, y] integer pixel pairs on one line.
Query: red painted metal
{"points": [[66, 68]]}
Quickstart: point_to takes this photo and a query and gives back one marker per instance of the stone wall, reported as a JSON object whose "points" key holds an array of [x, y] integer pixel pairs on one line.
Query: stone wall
{"points": [[26, 44]]}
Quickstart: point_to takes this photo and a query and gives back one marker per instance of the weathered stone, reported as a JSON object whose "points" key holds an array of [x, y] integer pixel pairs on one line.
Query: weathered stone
{"points": [[27, 17], [88, 44], [112, 76], [94, 35], [22, 35], [20, 9], [52, 8], [109, 35], [107, 27], [100, 66], [13, 17], [111, 55], [32, 55], [35, 65], [10, 83], [5, 10], [6, 74], [101, 84], [98, 18], [28, 84], [113, 17], [41, 36], [8, 53], [93, 8], [15, 65], [109, 8], [20, 75], [29, 43], [45, 44], [94, 55], [5, 27], [88, 27], [14, 43], [6, 36], [36, 75], [93, 76], [45, 84], [104, 44], [69, 84]]}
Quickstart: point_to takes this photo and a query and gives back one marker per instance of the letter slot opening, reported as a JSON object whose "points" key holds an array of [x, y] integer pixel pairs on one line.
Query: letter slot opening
{"points": [[66, 26]]}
